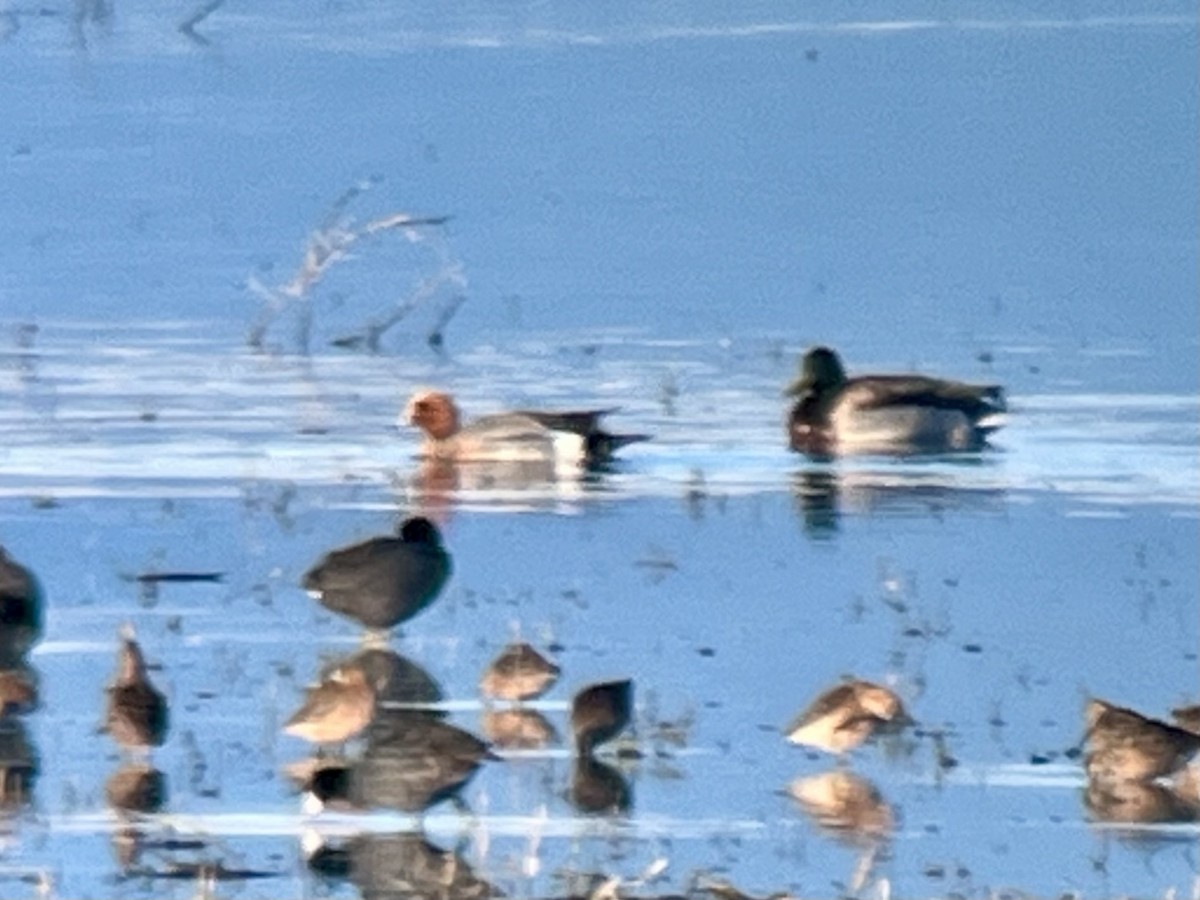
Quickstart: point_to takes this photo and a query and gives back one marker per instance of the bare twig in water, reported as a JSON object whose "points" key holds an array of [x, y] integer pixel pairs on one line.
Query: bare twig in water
{"points": [[331, 243], [188, 26]]}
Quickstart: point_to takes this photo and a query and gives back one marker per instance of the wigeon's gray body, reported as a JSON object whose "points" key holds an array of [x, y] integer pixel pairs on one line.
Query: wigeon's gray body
{"points": [[844, 716], [136, 715], [519, 672], [383, 581], [1124, 745], [573, 438], [835, 414]]}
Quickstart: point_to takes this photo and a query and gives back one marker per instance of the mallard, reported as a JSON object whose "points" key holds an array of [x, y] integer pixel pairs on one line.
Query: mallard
{"points": [[844, 716], [336, 709], [599, 713], [835, 414], [518, 673], [1124, 745], [570, 437], [386, 580], [137, 714]]}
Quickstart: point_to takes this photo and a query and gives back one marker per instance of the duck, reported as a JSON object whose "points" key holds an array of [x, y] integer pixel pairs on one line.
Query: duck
{"points": [[336, 709], [1124, 745], [518, 673], [836, 414], [844, 716], [412, 761], [384, 581], [21, 603], [599, 713], [137, 716], [567, 437]]}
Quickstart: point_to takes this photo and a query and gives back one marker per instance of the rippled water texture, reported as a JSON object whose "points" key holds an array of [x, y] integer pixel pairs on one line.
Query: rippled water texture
{"points": [[655, 208]]}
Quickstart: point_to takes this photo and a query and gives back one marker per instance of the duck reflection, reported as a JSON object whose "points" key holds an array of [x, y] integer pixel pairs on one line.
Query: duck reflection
{"points": [[518, 729], [598, 788], [397, 679], [1133, 802], [437, 486], [411, 761], [844, 805], [21, 602], [823, 495], [19, 765], [397, 867], [136, 788]]}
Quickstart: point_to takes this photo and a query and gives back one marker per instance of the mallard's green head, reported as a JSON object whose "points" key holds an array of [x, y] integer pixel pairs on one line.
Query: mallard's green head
{"points": [[820, 370]]}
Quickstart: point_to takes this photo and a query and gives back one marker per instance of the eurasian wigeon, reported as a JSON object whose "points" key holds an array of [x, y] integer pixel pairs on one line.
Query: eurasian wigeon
{"points": [[599, 713], [844, 716], [336, 709], [561, 437], [137, 715], [383, 581], [518, 673], [1124, 745], [836, 414]]}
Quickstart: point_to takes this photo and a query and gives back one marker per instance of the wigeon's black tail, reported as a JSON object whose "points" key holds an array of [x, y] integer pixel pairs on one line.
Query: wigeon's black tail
{"points": [[601, 447]]}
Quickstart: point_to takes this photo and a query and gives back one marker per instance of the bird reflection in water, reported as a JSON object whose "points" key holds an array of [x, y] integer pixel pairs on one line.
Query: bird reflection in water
{"points": [[411, 761], [822, 495], [518, 729], [135, 789], [844, 805], [850, 809], [401, 866], [19, 765], [1138, 803], [438, 486], [598, 788]]}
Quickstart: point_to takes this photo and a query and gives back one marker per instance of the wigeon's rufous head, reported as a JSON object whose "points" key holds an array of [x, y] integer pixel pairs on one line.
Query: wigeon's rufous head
{"points": [[434, 413]]}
